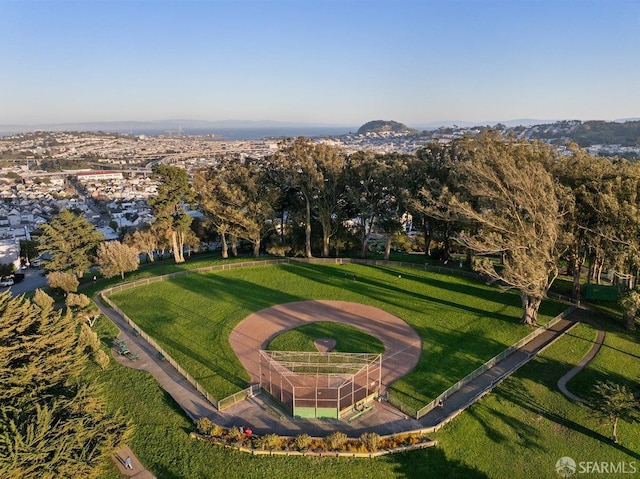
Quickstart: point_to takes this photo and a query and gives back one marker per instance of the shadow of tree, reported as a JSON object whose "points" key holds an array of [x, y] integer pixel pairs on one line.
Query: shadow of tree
{"points": [[433, 462], [513, 391]]}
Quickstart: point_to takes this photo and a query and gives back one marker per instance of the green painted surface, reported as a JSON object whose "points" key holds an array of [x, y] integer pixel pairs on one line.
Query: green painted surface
{"points": [[317, 413]]}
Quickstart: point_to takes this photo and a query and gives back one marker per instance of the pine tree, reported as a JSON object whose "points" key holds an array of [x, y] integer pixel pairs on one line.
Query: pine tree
{"points": [[71, 241], [51, 424]]}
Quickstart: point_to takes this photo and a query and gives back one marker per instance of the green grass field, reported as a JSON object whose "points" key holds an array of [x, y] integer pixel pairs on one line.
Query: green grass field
{"points": [[462, 322], [520, 430]]}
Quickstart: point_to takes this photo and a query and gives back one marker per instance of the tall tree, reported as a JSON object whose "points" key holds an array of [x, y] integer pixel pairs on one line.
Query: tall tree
{"points": [[51, 423], [115, 258], [517, 211], [435, 179], [605, 222], [315, 171], [329, 198], [238, 197], [171, 218], [371, 193], [71, 241], [144, 241], [28, 249]]}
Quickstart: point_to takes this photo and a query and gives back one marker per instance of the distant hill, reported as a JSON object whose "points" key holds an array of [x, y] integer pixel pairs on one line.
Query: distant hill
{"points": [[381, 126], [590, 133]]}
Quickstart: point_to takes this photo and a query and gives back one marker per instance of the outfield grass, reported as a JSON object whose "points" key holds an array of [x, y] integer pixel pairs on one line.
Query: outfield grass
{"points": [[520, 430], [348, 339], [462, 322], [526, 424]]}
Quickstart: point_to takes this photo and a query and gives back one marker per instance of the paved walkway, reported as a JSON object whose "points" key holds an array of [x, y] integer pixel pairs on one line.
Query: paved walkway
{"points": [[138, 471], [264, 418], [562, 382]]}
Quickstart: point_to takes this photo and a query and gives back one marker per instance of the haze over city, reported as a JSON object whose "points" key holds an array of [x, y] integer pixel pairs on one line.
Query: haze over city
{"points": [[323, 62]]}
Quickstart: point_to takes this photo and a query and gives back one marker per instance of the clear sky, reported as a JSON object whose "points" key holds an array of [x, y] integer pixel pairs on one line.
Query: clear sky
{"points": [[321, 61]]}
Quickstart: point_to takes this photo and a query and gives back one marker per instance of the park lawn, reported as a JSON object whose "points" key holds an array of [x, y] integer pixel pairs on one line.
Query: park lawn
{"points": [[462, 322], [618, 360], [519, 430], [160, 438], [527, 424]]}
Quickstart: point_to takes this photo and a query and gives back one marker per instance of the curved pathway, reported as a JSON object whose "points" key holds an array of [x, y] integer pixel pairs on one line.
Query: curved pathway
{"points": [[562, 382], [402, 345]]}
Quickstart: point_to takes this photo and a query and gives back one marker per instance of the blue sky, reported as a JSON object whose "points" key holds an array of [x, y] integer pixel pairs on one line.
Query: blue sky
{"points": [[322, 61]]}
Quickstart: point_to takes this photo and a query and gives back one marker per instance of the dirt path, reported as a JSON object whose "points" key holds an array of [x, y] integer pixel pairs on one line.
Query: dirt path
{"points": [[402, 344]]}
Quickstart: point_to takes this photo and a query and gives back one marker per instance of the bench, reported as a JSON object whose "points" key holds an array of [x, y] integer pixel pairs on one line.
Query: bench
{"points": [[161, 356], [133, 357], [135, 332], [119, 341]]}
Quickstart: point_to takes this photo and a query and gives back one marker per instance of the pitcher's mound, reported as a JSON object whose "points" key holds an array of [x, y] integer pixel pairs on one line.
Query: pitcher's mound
{"points": [[325, 345]]}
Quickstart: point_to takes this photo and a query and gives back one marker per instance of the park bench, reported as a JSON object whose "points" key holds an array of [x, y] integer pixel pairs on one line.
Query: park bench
{"points": [[124, 349], [133, 357], [135, 332], [161, 356], [119, 341]]}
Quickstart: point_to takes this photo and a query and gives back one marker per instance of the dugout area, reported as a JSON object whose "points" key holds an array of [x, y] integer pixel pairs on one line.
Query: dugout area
{"points": [[320, 385]]}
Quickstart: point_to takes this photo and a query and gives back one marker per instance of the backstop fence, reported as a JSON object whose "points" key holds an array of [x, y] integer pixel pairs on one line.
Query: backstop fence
{"points": [[320, 385]]}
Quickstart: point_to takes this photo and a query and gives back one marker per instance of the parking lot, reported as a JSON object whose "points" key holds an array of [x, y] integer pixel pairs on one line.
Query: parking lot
{"points": [[33, 279]]}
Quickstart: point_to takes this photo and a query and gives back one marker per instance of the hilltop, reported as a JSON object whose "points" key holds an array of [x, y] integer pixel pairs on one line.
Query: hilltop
{"points": [[381, 126]]}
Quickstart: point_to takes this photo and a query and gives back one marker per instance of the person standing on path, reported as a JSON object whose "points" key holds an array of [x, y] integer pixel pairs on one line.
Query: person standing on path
{"points": [[127, 463]]}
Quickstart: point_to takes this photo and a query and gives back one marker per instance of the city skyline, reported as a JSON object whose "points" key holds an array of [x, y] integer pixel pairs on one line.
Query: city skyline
{"points": [[331, 62]]}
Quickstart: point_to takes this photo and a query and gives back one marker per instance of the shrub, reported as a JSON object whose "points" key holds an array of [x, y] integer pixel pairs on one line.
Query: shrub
{"points": [[102, 359], [278, 249], [371, 440], [269, 441], [216, 431], [302, 442], [235, 433], [204, 426], [335, 440]]}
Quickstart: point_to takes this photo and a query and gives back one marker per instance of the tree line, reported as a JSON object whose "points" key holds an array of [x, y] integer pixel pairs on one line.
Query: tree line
{"points": [[518, 210]]}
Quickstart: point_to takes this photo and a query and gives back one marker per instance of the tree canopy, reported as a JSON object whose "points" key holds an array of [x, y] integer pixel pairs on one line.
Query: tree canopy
{"points": [[115, 258], [52, 424], [71, 242]]}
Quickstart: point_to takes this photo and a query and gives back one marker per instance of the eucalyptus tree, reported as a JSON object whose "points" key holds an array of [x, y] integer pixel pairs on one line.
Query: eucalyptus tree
{"points": [[605, 223], [624, 248], [590, 222], [516, 209], [144, 241], [434, 181], [316, 172], [371, 193], [71, 242], [170, 216], [329, 199], [238, 197], [115, 258], [392, 216]]}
